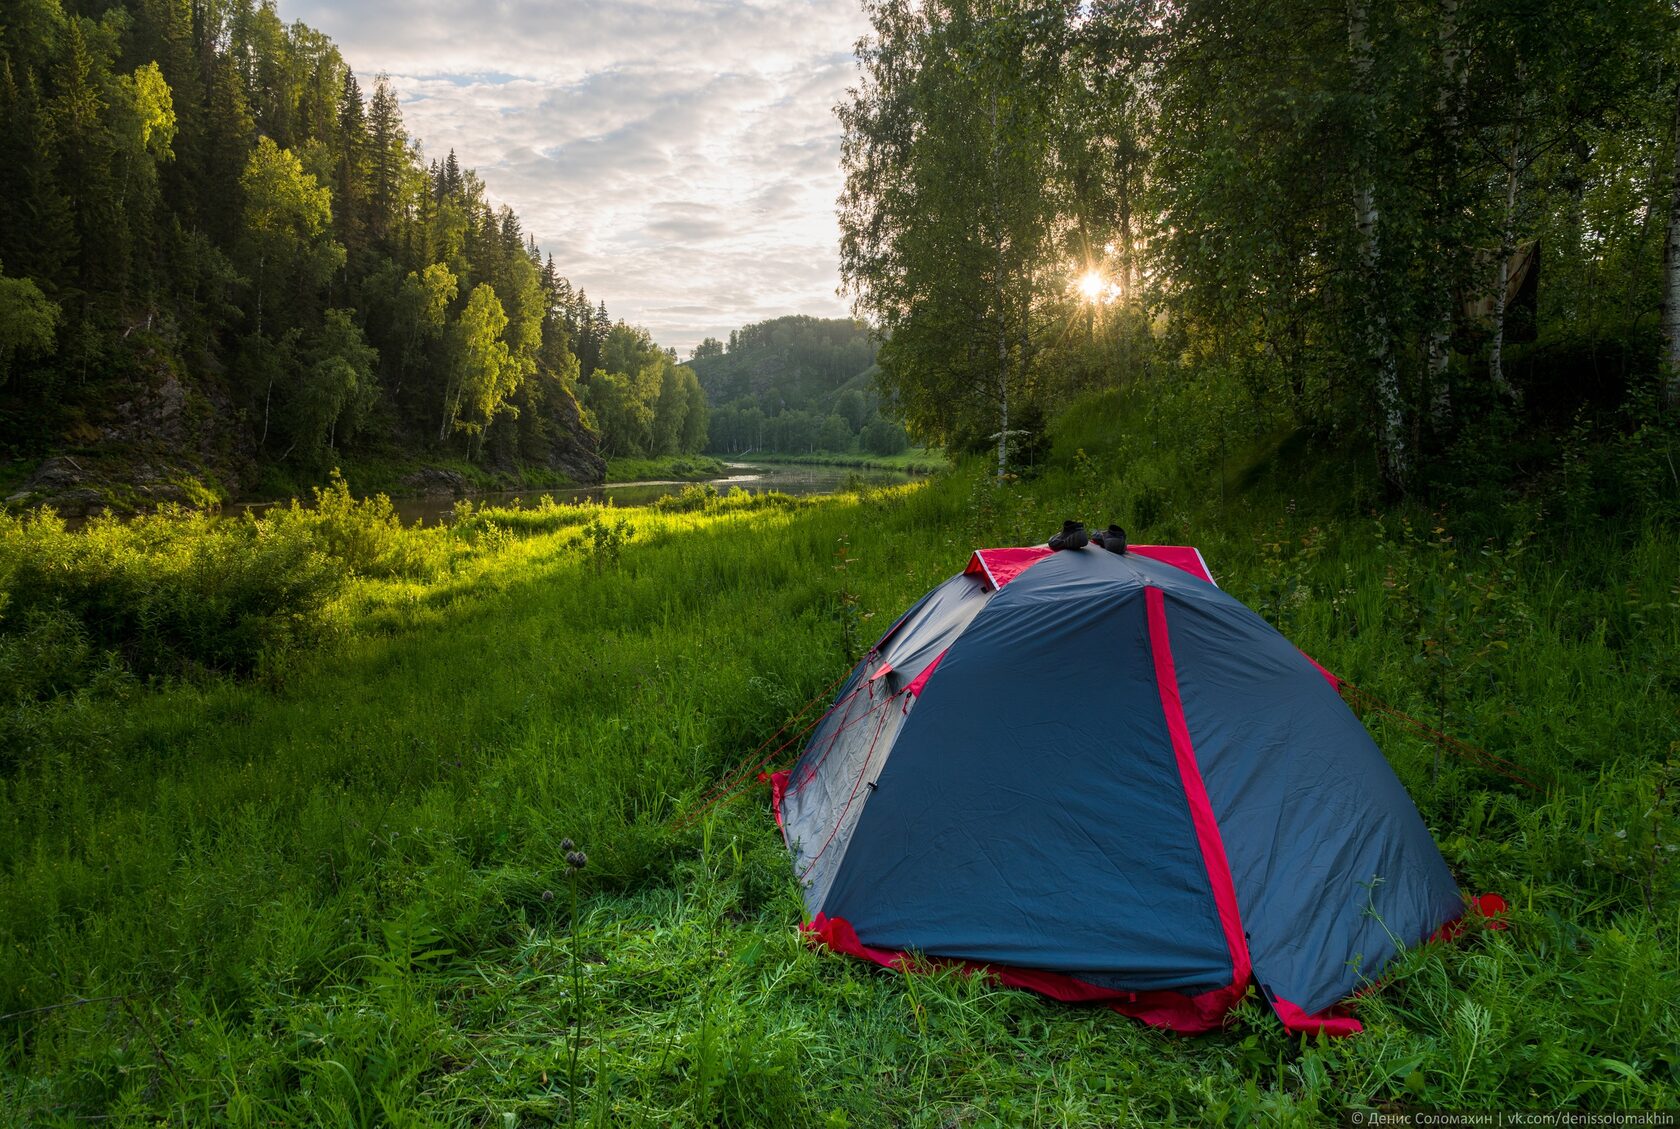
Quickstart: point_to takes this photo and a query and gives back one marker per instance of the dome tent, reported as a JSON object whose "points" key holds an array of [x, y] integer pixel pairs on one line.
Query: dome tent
{"points": [[1100, 777]]}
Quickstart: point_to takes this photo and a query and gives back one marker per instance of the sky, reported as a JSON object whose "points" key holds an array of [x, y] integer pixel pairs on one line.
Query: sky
{"points": [[679, 159]]}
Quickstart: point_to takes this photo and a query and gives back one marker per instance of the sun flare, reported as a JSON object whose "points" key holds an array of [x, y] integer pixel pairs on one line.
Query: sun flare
{"points": [[1092, 286]]}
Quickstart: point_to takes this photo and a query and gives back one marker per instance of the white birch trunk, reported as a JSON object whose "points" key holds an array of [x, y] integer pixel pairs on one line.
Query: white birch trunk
{"points": [[1446, 103], [1502, 278], [998, 304], [1391, 421], [1671, 272]]}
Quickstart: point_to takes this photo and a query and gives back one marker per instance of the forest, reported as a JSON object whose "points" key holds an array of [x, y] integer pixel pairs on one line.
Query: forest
{"points": [[795, 385], [1429, 229], [227, 269]]}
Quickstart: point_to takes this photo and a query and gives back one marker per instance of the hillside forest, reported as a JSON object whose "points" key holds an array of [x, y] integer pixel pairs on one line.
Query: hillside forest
{"points": [[227, 265], [796, 385]]}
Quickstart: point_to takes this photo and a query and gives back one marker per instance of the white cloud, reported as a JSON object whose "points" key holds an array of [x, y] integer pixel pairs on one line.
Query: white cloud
{"points": [[680, 160]]}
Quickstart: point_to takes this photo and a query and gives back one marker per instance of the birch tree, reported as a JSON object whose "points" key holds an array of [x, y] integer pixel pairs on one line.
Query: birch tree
{"points": [[947, 214], [1671, 269]]}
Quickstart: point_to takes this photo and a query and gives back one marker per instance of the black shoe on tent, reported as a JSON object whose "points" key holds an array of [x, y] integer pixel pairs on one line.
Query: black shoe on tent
{"points": [[1072, 536], [1113, 538], [1228, 820]]}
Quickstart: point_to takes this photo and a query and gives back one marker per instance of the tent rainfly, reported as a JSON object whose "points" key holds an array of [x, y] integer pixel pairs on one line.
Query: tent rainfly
{"points": [[1098, 776]]}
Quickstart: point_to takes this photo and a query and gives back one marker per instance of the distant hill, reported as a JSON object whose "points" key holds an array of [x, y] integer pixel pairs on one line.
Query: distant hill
{"points": [[788, 362], [795, 384]]}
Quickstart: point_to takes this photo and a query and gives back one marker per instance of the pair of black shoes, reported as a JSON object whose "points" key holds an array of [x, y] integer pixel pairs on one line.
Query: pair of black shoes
{"points": [[1073, 536]]}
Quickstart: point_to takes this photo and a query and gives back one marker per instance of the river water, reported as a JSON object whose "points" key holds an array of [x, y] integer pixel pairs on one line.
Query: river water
{"points": [[787, 479]]}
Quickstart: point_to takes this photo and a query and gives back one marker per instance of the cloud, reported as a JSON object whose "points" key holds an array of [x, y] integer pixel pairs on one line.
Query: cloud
{"points": [[679, 159]]}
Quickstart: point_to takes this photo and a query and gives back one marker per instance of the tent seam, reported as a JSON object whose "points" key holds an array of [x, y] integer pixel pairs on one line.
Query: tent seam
{"points": [[1209, 838]]}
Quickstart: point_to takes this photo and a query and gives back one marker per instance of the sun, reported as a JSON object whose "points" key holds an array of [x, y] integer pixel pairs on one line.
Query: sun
{"points": [[1092, 286]]}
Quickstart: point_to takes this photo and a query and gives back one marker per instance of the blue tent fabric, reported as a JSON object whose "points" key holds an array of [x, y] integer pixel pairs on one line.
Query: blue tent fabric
{"points": [[1023, 807]]}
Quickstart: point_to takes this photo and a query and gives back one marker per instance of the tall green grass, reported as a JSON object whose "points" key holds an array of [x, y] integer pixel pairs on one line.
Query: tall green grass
{"points": [[336, 895]]}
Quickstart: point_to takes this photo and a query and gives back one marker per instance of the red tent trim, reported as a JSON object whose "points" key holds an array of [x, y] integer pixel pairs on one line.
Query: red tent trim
{"points": [[1172, 1010], [1195, 791], [1335, 683], [1000, 566], [778, 789], [1185, 558], [1326, 1022], [914, 690]]}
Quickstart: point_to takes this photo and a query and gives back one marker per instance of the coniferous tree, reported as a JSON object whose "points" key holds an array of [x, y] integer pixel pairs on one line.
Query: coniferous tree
{"points": [[350, 185], [387, 148]]}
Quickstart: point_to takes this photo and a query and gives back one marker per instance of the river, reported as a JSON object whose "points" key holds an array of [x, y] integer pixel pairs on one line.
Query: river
{"points": [[784, 477]]}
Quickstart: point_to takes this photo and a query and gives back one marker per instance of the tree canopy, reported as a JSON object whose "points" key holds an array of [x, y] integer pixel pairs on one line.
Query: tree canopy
{"points": [[792, 384], [1349, 213]]}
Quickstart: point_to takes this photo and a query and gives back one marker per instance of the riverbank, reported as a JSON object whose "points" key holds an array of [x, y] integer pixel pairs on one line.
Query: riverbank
{"points": [[404, 477], [666, 468], [332, 885], [928, 461]]}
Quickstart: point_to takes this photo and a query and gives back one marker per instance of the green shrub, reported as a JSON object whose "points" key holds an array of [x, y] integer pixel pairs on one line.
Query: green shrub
{"points": [[43, 654], [364, 534], [168, 592], [701, 497], [546, 516], [603, 541]]}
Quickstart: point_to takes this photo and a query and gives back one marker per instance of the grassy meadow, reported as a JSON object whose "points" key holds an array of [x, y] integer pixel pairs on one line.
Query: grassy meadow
{"points": [[315, 875]]}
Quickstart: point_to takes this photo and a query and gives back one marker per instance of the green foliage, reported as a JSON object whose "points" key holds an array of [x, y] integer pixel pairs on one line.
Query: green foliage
{"points": [[884, 437], [642, 401], [1318, 214], [28, 322], [790, 385], [170, 592], [363, 536], [684, 468], [603, 539], [948, 215], [150, 111], [287, 217], [348, 893], [484, 372], [847, 614], [921, 461], [337, 389], [702, 496], [206, 193]]}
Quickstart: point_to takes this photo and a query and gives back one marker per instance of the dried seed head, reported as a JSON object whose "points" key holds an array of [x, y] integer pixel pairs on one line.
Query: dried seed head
{"points": [[567, 845], [577, 860], [548, 895]]}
